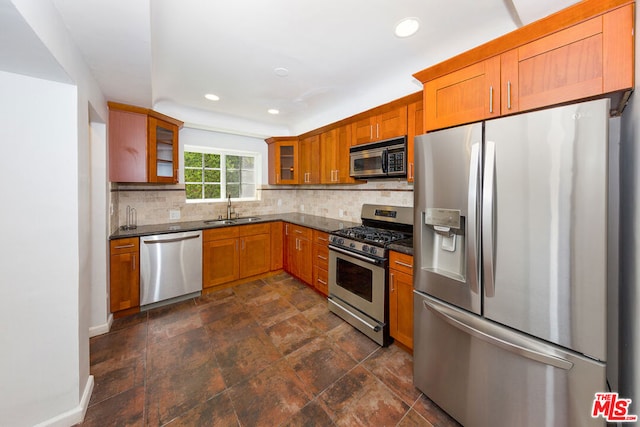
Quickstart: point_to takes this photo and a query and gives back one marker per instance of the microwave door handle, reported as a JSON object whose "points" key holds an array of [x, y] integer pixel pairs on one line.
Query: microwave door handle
{"points": [[385, 160]]}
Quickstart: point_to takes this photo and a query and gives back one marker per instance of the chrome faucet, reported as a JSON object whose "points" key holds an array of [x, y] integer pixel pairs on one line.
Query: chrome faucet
{"points": [[229, 207]]}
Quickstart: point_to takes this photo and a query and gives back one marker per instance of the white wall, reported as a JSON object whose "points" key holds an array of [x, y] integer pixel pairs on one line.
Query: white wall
{"points": [[47, 399], [39, 265], [629, 358], [99, 194]]}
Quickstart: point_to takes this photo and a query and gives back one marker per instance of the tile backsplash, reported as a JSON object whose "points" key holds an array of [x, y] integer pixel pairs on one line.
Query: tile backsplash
{"points": [[153, 203]]}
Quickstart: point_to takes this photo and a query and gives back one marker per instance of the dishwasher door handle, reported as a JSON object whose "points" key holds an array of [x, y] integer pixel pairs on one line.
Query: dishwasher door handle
{"points": [[177, 239]]}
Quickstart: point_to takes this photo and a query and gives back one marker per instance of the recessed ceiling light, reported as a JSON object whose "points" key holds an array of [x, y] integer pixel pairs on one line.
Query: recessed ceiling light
{"points": [[212, 97], [281, 71], [273, 111], [407, 27]]}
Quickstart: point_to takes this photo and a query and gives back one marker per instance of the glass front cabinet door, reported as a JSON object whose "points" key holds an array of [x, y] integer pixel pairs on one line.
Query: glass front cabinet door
{"points": [[283, 160], [163, 151]]}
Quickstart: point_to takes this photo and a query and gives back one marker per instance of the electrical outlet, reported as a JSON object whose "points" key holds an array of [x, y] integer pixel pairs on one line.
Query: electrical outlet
{"points": [[110, 208], [340, 213], [301, 208], [174, 214], [279, 202]]}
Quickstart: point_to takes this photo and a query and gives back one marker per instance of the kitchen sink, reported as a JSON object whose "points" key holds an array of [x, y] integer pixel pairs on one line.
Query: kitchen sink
{"points": [[232, 221], [248, 219], [220, 221]]}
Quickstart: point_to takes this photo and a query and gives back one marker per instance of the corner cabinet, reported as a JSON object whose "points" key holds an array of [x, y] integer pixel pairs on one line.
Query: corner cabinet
{"points": [[283, 160], [124, 274], [143, 145], [401, 298]]}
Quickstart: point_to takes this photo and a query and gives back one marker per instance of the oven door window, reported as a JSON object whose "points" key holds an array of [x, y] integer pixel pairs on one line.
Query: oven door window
{"points": [[354, 278]]}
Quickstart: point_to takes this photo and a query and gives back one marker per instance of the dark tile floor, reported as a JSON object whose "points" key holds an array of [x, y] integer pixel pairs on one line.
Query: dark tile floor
{"points": [[265, 353]]}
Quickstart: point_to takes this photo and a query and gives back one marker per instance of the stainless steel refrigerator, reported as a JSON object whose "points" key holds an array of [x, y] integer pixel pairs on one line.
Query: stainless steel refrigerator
{"points": [[511, 267]]}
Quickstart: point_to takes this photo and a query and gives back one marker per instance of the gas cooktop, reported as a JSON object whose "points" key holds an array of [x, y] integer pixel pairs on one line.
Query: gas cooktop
{"points": [[381, 225], [372, 235]]}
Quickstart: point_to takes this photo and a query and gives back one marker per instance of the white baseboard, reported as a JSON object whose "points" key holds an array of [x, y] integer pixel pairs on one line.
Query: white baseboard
{"points": [[75, 415], [101, 329]]}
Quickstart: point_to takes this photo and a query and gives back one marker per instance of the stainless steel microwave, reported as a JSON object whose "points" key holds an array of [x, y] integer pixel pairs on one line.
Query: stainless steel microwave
{"points": [[384, 159]]}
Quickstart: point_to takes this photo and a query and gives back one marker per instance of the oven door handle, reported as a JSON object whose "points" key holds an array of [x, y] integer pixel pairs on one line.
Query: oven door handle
{"points": [[375, 328], [355, 255]]}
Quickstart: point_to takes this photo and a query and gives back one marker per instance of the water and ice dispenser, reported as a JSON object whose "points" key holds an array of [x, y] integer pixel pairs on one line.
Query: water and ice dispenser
{"points": [[443, 243]]}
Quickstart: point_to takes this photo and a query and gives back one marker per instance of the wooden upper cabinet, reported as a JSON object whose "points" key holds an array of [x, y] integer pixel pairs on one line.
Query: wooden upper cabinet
{"points": [[381, 126], [467, 95], [162, 151], [309, 165], [588, 59], [334, 156], [581, 52], [283, 160], [143, 145], [415, 127]]}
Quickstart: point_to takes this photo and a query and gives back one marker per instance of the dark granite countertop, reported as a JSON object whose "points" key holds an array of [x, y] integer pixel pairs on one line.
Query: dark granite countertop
{"points": [[311, 221], [404, 246]]}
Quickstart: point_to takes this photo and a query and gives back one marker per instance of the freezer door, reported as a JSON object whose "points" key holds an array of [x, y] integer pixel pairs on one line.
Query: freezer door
{"points": [[446, 214], [544, 225], [486, 375]]}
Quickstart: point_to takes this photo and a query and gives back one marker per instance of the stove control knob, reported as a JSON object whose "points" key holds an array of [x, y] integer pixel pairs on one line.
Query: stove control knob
{"points": [[365, 248], [352, 245], [340, 241], [373, 250]]}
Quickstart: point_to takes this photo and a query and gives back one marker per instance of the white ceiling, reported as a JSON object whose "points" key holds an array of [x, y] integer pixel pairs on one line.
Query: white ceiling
{"points": [[342, 55]]}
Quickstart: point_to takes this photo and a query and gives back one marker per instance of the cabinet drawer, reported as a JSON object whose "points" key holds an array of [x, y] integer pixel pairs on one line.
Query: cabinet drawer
{"points": [[401, 262], [121, 246], [321, 256], [253, 229], [320, 238], [220, 233], [298, 231], [321, 280]]}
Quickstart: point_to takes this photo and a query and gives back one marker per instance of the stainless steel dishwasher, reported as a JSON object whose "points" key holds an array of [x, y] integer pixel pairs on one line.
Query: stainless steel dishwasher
{"points": [[170, 266]]}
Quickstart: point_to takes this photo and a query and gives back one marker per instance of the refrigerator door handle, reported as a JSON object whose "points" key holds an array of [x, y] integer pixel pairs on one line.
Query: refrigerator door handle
{"points": [[488, 196], [458, 321], [472, 223]]}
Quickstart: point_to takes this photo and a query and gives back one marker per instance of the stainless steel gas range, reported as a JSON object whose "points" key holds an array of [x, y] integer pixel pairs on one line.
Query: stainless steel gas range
{"points": [[358, 263]]}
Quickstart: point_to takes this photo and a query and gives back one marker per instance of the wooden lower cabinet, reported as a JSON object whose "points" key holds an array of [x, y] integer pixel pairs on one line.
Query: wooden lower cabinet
{"points": [[220, 262], [255, 254], [124, 269], [299, 252], [277, 245], [401, 298], [321, 262], [233, 253]]}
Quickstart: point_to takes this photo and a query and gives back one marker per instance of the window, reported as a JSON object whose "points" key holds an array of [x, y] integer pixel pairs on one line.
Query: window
{"points": [[211, 174]]}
